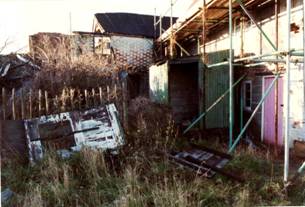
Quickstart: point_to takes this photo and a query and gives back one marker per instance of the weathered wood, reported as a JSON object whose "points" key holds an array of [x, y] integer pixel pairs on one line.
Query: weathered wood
{"points": [[22, 104], [39, 102], [56, 103], [79, 97], [93, 97], [72, 98], [47, 101], [30, 104], [115, 92], [125, 108], [4, 103], [13, 104], [86, 99], [63, 100], [108, 93], [101, 95]]}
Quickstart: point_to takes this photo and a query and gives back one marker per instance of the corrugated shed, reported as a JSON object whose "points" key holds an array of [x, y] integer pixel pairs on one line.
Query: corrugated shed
{"points": [[216, 83]]}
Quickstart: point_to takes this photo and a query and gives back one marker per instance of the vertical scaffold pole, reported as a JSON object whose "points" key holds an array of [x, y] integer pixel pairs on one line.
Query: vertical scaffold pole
{"points": [[231, 75], [172, 34], [286, 154]]}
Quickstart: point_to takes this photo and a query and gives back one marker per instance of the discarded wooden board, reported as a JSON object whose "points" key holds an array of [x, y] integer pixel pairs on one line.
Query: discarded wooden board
{"points": [[204, 161], [97, 128]]}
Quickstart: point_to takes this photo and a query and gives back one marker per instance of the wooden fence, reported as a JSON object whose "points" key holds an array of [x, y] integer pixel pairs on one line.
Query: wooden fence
{"points": [[27, 104]]}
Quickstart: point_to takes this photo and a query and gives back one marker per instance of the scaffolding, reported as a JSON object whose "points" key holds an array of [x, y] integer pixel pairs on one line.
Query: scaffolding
{"points": [[227, 13]]}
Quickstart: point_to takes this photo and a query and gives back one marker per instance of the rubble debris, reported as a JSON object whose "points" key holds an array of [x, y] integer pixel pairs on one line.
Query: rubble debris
{"points": [[97, 128], [6, 195], [204, 161]]}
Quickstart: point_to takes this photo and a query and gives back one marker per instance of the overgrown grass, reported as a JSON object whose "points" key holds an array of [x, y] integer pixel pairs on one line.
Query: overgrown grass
{"points": [[89, 179], [141, 175]]}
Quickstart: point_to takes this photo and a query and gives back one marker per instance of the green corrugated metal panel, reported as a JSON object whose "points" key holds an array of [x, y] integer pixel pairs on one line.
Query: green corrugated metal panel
{"points": [[216, 83], [158, 83]]}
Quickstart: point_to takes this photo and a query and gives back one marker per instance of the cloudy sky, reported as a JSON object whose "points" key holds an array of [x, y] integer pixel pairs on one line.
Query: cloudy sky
{"points": [[21, 18]]}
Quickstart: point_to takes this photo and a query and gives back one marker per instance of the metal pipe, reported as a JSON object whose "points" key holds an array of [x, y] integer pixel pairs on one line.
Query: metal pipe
{"points": [[287, 125], [278, 61], [155, 25], [202, 78], [253, 20], [253, 114], [304, 35], [212, 106], [160, 26], [231, 75], [276, 91], [242, 28], [241, 108], [172, 34], [247, 58]]}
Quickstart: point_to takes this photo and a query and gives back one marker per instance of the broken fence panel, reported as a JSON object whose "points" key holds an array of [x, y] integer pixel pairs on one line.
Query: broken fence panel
{"points": [[96, 128]]}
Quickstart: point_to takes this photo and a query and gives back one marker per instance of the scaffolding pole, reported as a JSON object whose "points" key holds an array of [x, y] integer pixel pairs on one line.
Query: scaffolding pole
{"points": [[257, 25], [171, 47], [231, 75], [304, 37], [286, 153], [212, 106], [276, 91]]}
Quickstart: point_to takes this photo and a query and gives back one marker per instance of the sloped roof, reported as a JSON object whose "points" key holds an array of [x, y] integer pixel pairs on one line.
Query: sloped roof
{"points": [[131, 24]]}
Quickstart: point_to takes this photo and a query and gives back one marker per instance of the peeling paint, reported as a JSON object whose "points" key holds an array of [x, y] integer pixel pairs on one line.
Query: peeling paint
{"points": [[97, 128]]}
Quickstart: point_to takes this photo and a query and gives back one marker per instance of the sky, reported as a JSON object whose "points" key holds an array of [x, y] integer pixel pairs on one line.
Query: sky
{"points": [[21, 18]]}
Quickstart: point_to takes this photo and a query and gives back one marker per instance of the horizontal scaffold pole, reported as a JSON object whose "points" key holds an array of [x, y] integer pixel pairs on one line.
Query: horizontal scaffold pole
{"points": [[247, 58], [253, 114], [212, 106]]}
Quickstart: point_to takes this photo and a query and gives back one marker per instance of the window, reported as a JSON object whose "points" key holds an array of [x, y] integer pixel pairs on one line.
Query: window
{"points": [[247, 95], [102, 45]]}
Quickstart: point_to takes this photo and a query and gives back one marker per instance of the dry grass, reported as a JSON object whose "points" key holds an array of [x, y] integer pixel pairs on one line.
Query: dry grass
{"points": [[142, 176]]}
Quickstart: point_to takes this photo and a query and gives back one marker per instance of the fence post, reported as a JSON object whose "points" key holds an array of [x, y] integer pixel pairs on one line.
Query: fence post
{"points": [[47, 101], [63, 100], [93, 96], [101, 95], [22, 105], [72, 98], [115, 93], [4, 103], [30, 103], [125, 107], [13, 104], [39, 102], [108, 95], [86, 98], [58, 110], [79, 99]]}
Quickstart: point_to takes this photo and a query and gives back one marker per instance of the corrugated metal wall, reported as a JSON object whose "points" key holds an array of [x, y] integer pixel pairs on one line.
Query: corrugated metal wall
{"points": [[158, 83], [216, 83]]}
